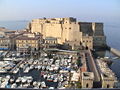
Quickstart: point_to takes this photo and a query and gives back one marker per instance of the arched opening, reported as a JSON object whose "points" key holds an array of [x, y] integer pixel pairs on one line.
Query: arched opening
{"points": [[108, 85], [87, 85], [86, 47]]}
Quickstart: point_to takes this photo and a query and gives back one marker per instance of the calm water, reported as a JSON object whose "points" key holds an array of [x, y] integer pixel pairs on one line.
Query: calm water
{"points": [[112, 32], [14, 25]]}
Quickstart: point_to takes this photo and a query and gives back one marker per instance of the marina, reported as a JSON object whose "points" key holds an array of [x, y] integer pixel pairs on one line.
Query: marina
{"points": [[45, 72], [40, 73]]}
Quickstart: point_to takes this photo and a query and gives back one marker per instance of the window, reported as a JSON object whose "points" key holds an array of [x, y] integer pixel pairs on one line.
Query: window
{"points": [[29, 41], [33, 41]]}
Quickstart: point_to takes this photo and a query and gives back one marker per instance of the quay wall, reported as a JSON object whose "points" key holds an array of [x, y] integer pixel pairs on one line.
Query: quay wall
{"points": [[92, 66]]}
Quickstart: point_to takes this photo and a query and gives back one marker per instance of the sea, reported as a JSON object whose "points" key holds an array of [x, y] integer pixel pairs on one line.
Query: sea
{"points": [[111, 30]]}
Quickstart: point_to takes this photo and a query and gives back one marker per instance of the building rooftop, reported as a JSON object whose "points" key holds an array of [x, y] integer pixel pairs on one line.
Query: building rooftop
{"points": [[87, 75], [27, 38], [50, 38]]}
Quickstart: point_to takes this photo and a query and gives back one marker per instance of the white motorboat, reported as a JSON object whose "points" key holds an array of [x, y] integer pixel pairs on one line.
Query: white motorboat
{"points": [[23, 80], [3, 70], [51, 88], [43, 85], [29, 79], [26, 70], [43, 67], [47, 67], [26, 85], [39, 67], [14, 85], [4, 82], [55, 80], [32, 66], [16, 70], [22, 65], [44, 76], [34, 83], [18, 80], [12, 80]]}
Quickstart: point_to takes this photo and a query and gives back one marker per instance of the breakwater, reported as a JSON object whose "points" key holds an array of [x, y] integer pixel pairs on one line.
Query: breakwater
{"points": [[115, 51]]}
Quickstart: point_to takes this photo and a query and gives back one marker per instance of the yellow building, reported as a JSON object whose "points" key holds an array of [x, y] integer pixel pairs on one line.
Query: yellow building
{"points": [[28, 41], [5, 43]]}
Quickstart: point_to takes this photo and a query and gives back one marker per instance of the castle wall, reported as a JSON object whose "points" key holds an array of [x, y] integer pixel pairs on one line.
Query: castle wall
{"points": [[53, 30], [68, 29], [98, 29], [71, 32], [86, 28], [87, 41]]}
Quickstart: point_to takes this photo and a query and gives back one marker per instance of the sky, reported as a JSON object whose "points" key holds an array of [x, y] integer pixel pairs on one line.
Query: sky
{"points": [[90, 10]]}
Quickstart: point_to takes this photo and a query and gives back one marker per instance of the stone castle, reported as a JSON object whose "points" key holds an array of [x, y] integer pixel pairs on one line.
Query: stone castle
{"points": [[68, 30]]}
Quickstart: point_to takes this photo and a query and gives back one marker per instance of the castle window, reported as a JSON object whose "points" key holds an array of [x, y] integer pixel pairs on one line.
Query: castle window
{"points": [[69, 27]]}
